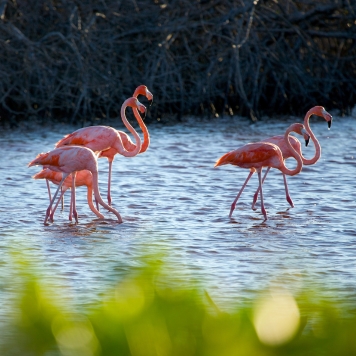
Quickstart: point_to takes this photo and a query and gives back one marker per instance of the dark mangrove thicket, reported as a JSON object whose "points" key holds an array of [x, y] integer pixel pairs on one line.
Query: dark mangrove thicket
{"points": [[75, 61]]}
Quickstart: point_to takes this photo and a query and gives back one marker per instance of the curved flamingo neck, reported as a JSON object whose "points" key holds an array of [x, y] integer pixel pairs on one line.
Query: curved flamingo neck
{"points": [[134, 133], [284, 169], [313, 138], [146, 136], [99, 198], [90, 202]]}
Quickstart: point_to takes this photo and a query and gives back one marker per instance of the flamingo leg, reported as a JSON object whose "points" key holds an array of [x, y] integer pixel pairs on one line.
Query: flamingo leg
{"points": [[289, 199], [75, 213], [65, 175], [55, 207], [70, 217], [49, 190], [62, 199], [109, 183], [263, 210], [233, 205], [258, 190]]}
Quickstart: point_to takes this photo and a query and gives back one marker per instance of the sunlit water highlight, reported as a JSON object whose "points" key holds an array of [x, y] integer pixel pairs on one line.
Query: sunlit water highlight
{"points": [[172, 200]]}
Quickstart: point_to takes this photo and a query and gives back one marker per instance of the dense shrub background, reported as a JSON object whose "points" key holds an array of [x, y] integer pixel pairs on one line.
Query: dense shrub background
{"points": [[78, 60]]}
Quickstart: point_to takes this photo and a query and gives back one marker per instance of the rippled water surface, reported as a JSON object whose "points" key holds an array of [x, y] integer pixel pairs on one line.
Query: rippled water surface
{"points": [[172, 200]]}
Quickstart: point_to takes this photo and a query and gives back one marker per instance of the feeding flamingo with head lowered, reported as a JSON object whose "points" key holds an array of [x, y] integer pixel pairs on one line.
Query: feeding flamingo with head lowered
{"points": [[257, 155], [102, 138], [280, 142], [83, 178], [69, 160]]}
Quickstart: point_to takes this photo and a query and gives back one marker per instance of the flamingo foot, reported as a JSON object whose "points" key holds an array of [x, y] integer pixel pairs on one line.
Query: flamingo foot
{"points": [[48, 213], [75, 214], [254, 201], [233, 205], [264, 212], [290, 201]]}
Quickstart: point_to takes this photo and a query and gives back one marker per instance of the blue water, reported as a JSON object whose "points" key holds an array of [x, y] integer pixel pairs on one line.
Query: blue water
{"points": [[174, 202]]}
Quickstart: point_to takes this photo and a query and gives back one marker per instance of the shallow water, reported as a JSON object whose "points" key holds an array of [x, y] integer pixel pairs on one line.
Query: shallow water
{"points": [[172, 200]]}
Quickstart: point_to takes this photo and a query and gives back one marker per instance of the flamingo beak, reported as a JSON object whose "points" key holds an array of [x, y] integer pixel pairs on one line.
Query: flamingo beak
{"points": [[329, 124], [306, 137], [150, 102], [33, 163]]}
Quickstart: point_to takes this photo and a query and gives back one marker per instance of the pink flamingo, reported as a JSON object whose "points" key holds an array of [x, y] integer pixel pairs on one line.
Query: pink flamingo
{"points": [[102, 138], [70, 160], [257, 155], [128, 144], [280, 142], [83, 178]]}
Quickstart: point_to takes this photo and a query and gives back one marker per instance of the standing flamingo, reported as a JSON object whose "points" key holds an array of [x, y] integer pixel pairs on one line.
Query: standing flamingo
{"points": [[101, 138], [70, 160], [82, 178], [128, 144], [257, 155], [279, 141]]}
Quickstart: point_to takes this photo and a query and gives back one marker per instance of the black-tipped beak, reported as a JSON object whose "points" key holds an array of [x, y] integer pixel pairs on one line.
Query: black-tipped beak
{"points": [[150, 102], [307, 142], [329, 124]]}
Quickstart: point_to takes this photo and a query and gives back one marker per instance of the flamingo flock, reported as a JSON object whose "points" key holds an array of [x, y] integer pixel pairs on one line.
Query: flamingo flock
{"points": [[77, 153], [272, 152], [73, 161]]}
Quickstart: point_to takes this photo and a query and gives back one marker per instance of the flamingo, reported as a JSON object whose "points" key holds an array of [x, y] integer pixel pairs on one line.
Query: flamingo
{"points": [[82, 178], [70, 160], [128, 144], [279, 141], [101, 138], [257, 155]]}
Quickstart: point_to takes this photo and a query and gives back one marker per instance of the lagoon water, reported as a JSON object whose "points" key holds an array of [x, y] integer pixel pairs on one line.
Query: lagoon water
{"points": [[173, 202]]}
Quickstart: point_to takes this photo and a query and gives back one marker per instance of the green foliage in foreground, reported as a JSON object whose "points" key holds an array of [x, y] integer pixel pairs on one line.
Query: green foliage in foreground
{"points": [[149, 313]]}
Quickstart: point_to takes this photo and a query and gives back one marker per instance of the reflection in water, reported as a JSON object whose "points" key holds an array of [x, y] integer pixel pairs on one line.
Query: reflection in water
{"points": [[173, 200]]}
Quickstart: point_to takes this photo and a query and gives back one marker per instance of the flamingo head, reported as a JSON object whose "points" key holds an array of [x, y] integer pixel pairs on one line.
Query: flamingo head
{"points": [[320, 111], [300, 129], [135, 104], [142, 90], [306, 138]]}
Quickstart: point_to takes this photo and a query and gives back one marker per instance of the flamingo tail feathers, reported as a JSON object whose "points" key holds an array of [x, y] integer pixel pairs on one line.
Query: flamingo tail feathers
{"points": [[227, 158], [37, 161]]}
